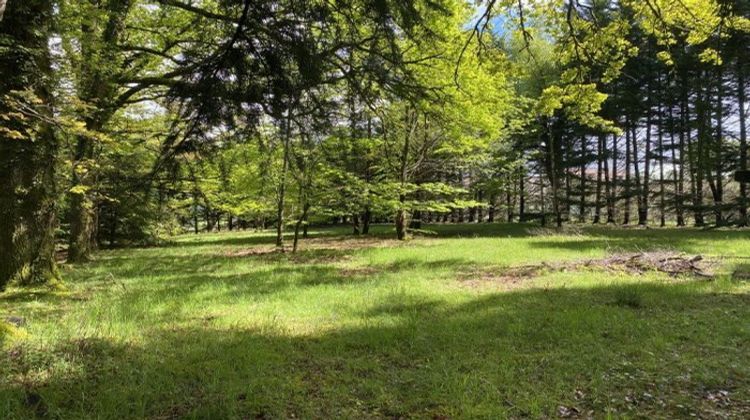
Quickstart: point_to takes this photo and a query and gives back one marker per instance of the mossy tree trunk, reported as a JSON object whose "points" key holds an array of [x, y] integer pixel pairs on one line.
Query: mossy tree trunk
{"points": [[27, 146]]}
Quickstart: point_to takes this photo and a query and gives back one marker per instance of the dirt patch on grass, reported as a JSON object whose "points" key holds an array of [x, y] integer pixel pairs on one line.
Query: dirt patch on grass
{"points": [[349, 243], [316, 250], [672, 263], [252, 252], [505, 278]]}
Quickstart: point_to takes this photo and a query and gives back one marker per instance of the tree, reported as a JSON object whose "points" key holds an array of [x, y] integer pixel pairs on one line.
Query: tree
{"points": [[28, 145]]}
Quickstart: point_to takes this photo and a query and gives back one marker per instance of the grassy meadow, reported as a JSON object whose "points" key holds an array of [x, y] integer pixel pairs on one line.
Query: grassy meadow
{"points": [[217, 326]]}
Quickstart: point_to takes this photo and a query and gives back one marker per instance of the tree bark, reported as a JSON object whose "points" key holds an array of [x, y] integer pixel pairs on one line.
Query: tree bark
{"points": [[637, 175], [356, 229], [599, 167], [612, 205], [741, 100], [718, 190], [686, 156], [28, 215], [698, 161], [553, 170], [677, 172], [280, 202], [626, 213], [302, 219], [582, 203], [646, 187], [401, 213], [82, 239], [660, 146], [366, 219], [521, 194]]}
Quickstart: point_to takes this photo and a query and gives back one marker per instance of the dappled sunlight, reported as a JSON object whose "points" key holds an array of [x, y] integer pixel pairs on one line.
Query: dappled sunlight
{"points": [[597, 349], [374, 209], [385, 331]]}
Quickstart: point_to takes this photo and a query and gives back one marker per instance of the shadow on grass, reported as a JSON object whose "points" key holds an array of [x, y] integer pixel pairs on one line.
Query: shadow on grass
{"points": [[229, 238], [36, 303], [247, 238], [582, 237], [518, 354], [620, 240]]}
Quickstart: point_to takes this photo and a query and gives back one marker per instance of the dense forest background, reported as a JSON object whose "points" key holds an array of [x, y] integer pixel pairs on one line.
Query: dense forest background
{"points": [[125, 121]]}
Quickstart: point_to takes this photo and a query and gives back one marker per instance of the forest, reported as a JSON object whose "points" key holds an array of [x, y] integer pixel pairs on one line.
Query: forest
{"points": [[374, 208]]}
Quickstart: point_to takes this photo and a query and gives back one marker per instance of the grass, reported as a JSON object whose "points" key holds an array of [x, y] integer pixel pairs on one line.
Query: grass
{"points": [[212, 326]]}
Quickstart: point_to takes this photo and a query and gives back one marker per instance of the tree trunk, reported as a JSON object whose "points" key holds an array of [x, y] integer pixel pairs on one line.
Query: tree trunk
{"points": [[521, 194], [553, 169], [686, 155], [612, 208], [356, 230], [542, 204], [677, 172], [637, 176], [366, 219], [27, 166], [401, 214], [660, 146], [599, 167], [480, 209], [302, 219], [741, 98], [401, 221], [509, 205], [207, 216], [698, 161], [567, 156], [82, 239], [608, 187], [582, 203], [282, 181], [195, 215], [718, 190], [646, 187], [491, 210], [626, 213]]}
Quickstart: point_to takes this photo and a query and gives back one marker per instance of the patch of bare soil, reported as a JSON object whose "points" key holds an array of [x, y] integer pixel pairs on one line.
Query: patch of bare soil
{"points": [[250, 252], [555, 231], [319, 256], [317, 250], [671, 263], [505, 278], [348, 243]]}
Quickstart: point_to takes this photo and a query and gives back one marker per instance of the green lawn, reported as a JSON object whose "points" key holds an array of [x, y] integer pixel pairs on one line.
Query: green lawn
{"points": [[213, 326]]}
